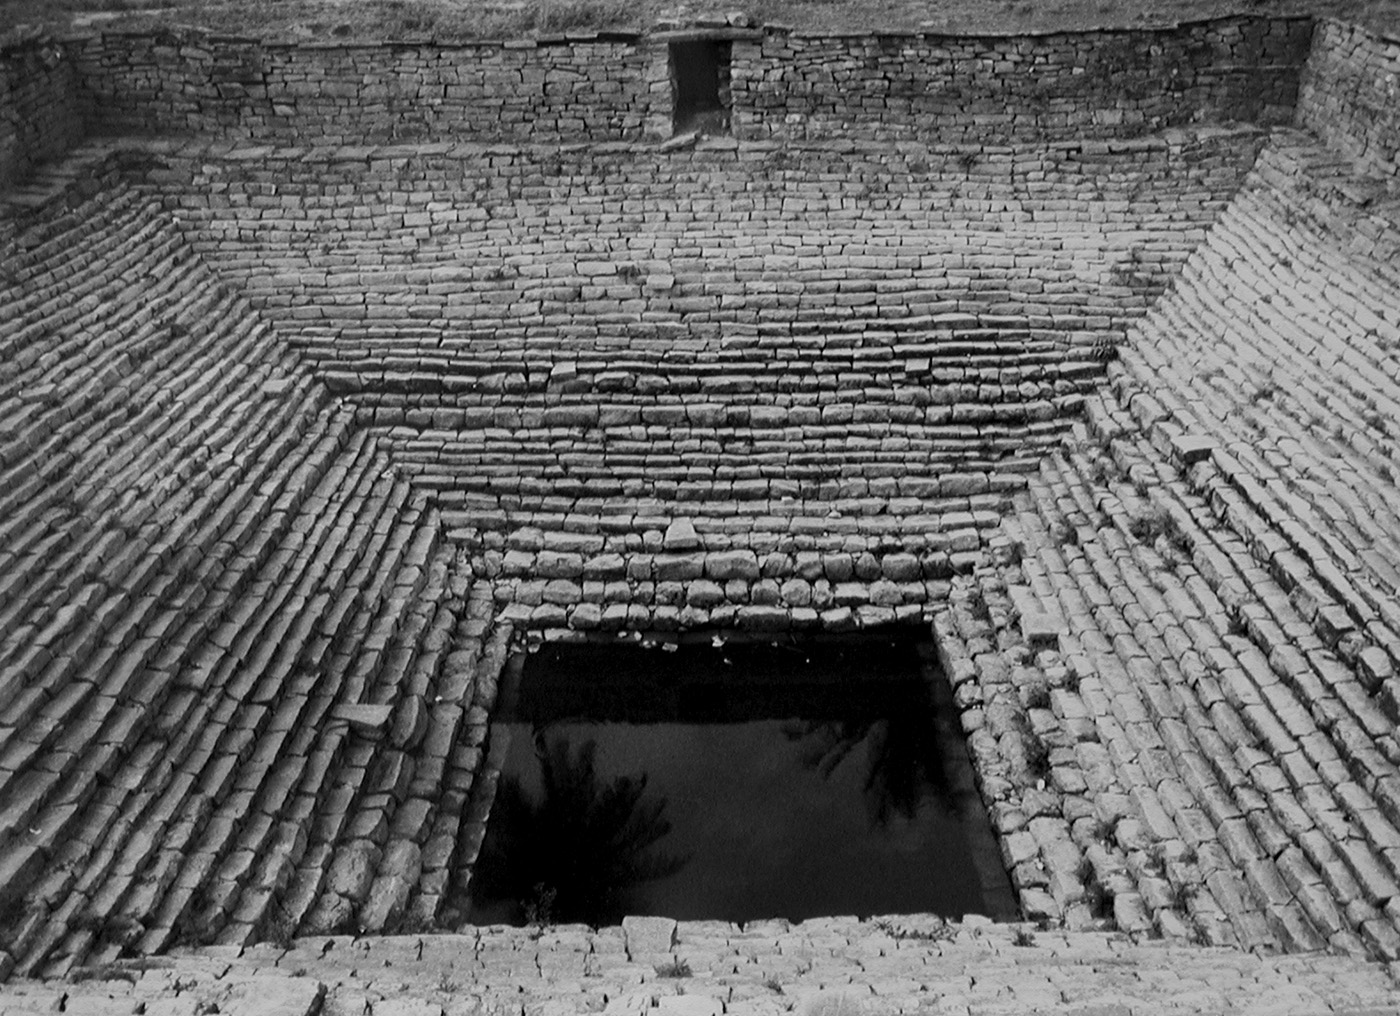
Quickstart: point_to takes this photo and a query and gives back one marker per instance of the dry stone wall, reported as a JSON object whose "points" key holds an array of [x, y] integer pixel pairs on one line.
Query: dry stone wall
{"points": [[1351, 95], [357, 93], [782, 84], [43, 107], [1103, 83], [1063, 85]]}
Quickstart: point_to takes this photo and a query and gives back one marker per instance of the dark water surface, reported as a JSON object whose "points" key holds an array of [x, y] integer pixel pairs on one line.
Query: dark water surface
{"points": [[735, 782]]}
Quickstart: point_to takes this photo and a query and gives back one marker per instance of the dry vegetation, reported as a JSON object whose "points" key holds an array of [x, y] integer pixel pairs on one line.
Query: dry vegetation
{"points": [[465, 19]]}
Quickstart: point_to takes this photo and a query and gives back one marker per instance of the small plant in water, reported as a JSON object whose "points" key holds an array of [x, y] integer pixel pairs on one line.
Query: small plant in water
{"points": [[676, 968], [774, 985], [1022, 937]]}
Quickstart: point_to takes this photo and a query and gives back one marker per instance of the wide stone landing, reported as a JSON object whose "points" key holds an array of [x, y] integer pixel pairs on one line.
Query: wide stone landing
{"points": [[822, 967]]}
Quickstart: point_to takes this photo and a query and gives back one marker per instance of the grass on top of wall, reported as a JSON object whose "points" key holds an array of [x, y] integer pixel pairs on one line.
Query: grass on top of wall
{"points": [[327, 20]]}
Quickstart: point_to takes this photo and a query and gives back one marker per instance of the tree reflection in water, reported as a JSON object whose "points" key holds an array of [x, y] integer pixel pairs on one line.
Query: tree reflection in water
{"points": [[573, 854], [904, 764]]}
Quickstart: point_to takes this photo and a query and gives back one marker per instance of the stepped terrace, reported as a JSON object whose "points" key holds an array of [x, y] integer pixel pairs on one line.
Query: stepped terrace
{"points": [[334, 379]]}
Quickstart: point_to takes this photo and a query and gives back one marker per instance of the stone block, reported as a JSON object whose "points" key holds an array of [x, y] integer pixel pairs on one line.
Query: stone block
{"points": [[678, 567], [363, 718], [704, 594], [1192, 448], [732, 564], [680, 535], [268, 995], [689, 1005], [796, 593], [648, 937], [764, 593], [405, 1007], [763, 618], [900, 567], [562, 591], [586, 617]]}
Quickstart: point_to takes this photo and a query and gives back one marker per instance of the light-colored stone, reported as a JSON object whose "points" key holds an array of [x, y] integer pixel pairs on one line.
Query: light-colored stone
{"points": [[648, 937]]}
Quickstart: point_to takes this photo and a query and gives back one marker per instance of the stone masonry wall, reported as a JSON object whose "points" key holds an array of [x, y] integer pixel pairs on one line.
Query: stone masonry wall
{"points": [[42, 107], [357, 94], [1088, 83], [783, 84], [1350, 95]]}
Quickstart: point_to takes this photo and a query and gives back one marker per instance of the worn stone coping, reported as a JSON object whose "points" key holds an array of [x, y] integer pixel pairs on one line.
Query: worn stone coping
{"points": [[827, 965], [234, 149], [189, 34]]}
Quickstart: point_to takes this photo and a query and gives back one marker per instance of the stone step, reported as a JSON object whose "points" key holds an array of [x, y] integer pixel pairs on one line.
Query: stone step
{"points": [[1133, 682], [340, 627], [137, 770], [1329, 493], [379, 630], [473, 666], [1230, 578], [275, 845], [891, 964], [413, 808]]}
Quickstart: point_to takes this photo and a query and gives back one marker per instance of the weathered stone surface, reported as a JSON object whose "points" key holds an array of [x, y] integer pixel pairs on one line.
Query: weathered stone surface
{"points": [[704, 594], [678, 567], [1041, 629], [760, 618], [648, 936], [1192, 448], [689, 1005], [554, 565], [796, 593], [732, 564], [680, 535], [274, 996], [364, 716]]}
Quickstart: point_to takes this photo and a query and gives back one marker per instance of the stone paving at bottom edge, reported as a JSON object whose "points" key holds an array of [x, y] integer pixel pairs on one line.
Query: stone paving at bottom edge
{"points": [[822, 967]]}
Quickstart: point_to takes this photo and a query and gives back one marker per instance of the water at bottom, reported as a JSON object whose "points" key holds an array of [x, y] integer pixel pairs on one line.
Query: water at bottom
{"points": [[713, 816]]}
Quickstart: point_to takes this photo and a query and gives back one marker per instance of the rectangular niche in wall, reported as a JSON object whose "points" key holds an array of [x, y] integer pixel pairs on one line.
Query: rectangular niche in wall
{"points": [[700, 85], [734, 781]]}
